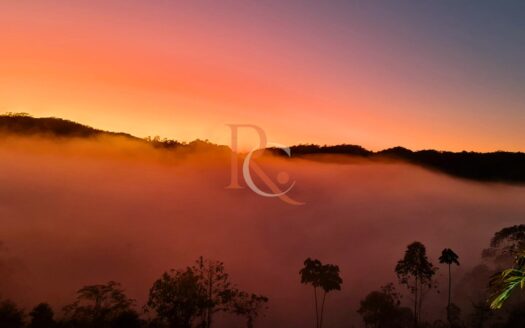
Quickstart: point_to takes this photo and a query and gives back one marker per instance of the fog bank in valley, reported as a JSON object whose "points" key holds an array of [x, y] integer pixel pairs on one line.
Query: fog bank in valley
{"points": [[81, 211]]}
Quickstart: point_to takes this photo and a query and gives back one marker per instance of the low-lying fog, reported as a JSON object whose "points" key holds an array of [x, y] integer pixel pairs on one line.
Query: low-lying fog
{"points": [[81, 212]]}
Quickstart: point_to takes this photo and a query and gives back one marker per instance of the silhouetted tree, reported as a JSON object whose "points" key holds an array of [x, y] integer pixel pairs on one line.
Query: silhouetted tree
{"points": [[311, 275], [182, 297], [449, 257], [249, 306], [324, 276], [178, 298], [217, 286], [416, 272], [99, 305], [330, 280], [10, 315], [505, 245], [381, 309], [42, 316]]}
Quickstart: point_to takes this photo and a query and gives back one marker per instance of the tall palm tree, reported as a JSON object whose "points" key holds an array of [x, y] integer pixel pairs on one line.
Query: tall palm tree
{"points": [[449, 257], [504, 282], [321, 276], [311, 274], [330, 280]]}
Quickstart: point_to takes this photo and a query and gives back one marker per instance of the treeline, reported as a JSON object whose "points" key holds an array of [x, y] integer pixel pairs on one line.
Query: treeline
{"points": [[499, 304], [183, 298], [191, 297], [498, 166], [23, 124], [491, 167]]}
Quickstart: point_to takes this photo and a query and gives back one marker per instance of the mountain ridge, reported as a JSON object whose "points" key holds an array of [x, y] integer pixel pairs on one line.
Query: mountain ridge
{"points": [[499, 166]]}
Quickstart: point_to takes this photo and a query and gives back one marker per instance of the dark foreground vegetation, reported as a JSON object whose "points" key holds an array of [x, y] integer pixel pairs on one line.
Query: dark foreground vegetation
{"points": [[183, 298], [192, 296], [498, 166]]}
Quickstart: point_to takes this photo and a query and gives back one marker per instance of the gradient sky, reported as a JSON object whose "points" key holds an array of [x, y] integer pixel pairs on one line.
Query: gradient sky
{"points": [[422, 74]]}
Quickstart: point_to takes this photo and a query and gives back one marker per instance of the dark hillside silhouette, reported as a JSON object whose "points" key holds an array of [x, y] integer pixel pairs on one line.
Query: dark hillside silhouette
{"points": [[497, 166], [23, 124], [336, 149], [506, 167]]}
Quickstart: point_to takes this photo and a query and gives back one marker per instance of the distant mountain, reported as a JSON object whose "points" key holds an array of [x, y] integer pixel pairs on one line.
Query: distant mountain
{"points": [[23, 124], [506, 167], [498, 166]]}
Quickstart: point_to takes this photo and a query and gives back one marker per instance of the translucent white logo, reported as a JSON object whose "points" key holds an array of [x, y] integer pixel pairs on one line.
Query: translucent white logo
{"points": [[250, 166]]}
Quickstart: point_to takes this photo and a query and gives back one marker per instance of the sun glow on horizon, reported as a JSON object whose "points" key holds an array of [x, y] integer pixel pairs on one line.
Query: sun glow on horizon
{"points": [[323, 74]]}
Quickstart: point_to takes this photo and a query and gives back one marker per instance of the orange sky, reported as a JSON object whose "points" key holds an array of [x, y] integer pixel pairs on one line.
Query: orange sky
{"points": [[304, 73]]}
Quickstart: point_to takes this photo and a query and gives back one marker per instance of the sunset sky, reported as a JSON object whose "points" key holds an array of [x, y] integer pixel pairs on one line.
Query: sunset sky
{"points": [[422, 74]]}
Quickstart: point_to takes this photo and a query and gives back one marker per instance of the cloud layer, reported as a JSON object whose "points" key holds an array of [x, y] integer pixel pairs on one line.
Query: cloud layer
{"points": [[77, 212]]}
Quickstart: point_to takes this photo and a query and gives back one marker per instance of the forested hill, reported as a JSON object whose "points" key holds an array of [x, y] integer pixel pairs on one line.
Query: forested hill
{"points": [[498, 166], [23, 124], [506, 167]]}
